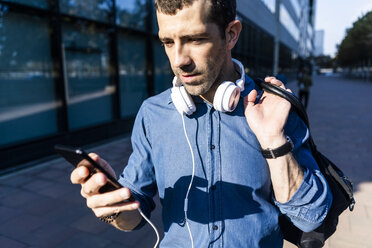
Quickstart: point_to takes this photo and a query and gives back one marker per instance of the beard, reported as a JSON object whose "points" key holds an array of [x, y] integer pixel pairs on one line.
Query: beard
{"points": [[207, 75]]}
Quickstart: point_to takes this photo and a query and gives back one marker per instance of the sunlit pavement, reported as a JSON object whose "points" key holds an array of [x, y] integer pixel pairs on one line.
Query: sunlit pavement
{"points": [[40, 208], [340, 112]]}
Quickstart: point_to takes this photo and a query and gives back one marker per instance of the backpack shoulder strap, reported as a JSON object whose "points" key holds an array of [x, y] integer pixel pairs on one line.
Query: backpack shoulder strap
{"points": [[296, 104], [325, 167]]}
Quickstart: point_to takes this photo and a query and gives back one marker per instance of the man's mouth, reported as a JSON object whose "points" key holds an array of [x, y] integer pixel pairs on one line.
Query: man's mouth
{"points": [[188, 78]]}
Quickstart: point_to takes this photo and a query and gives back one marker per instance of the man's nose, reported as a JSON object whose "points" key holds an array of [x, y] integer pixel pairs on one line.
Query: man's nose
{"points": [[182, 57]]}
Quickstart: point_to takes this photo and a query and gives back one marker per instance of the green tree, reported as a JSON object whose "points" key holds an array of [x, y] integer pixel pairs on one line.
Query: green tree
{"points": [[324, 61], [357, 44]]}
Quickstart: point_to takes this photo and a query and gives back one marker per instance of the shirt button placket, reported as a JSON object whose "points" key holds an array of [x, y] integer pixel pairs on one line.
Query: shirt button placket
{"points": [[215, 188]]}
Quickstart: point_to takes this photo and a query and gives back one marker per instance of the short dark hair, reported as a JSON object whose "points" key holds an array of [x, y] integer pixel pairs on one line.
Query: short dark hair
{"points": [[222, 11]]}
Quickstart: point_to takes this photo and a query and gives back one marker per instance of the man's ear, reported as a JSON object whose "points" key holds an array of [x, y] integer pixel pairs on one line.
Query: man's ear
{"points": [[232, 33]]}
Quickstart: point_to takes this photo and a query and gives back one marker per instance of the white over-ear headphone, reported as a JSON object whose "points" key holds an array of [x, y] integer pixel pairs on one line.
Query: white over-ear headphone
{"points": [[225, 99]]}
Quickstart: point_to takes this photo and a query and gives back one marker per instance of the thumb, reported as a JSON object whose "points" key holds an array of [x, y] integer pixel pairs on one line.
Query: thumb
{"points": [[103, 163], [250, 99]]}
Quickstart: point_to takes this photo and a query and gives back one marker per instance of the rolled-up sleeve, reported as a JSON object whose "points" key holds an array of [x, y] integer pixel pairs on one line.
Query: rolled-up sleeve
{"points": [[139, 174], [310, 204]]}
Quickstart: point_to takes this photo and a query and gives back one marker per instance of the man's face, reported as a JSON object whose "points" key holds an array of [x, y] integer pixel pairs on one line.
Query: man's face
{"points": [[195, 48]]}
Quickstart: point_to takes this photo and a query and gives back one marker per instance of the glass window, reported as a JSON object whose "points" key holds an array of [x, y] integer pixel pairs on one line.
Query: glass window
{"points": [[131, 13], [88, 88], [289, 23], [286, 61], [270, 5], [36, 3], [132, 73], [310, 32], [93, 9], [155, 26], [296, 7], [163, 71], [27, 93]]}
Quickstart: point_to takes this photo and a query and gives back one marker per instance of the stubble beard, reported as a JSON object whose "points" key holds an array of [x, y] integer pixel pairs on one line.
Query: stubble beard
{"points": [[212, 74]]}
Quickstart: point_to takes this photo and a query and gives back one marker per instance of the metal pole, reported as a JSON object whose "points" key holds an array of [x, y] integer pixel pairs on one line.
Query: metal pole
{"points": [[277, 37]]}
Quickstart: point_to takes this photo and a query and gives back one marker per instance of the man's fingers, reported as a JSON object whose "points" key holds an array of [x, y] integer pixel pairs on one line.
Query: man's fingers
{"points": [[268, 79], [250, 99], [103, 163], [94, 183], [86, 163], [107, 211], [115, 197], [79, 175], [274, 81], [111, 202]]}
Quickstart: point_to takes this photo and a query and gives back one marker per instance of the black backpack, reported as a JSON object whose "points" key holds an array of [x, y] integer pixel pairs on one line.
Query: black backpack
{"points": [[341, 186]]}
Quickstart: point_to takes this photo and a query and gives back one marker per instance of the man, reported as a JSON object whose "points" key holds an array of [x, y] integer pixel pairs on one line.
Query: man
{"points": [[304, 84], [235, 195]]}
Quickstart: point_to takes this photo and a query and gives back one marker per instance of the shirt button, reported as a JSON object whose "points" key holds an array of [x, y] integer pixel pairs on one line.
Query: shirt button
{"points": [[212, 147], [213, 187], [215, 227]]}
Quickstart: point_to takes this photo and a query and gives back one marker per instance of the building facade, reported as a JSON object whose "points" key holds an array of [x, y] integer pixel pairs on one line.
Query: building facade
{"points": [[319, 43], [76, 72]]}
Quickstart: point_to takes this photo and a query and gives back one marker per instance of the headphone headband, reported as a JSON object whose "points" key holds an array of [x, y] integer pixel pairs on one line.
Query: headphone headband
{"points": [[240, 82]]}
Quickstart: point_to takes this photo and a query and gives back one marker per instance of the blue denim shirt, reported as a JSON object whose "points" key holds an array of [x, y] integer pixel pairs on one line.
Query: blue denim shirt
{"points": [[231, 202]]}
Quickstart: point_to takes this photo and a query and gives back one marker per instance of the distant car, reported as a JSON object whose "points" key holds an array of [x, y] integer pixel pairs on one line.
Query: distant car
{"points": [[326, 71]]}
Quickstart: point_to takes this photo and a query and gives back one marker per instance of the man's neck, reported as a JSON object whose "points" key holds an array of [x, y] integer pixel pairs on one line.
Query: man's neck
{"points": [[232, 74]]}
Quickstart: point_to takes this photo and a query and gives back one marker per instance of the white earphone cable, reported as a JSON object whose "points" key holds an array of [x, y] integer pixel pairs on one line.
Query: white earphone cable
{"points": [[186, 202], [153, 227], [186, 198]]}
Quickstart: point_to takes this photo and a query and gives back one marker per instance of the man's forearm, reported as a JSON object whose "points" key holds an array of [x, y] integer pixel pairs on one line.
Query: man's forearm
{"points": [[286, 176]]}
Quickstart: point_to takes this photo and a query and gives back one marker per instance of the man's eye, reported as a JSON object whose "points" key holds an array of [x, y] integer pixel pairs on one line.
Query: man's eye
{"points": [[197, 40], [167, 43]]}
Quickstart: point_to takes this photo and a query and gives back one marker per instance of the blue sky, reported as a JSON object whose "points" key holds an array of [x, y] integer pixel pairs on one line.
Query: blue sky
{"points": [[335, 16]]}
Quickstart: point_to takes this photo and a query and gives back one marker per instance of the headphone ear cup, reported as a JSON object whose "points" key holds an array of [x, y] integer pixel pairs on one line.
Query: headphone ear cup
{"points": [[226, 97], [182, 101]]}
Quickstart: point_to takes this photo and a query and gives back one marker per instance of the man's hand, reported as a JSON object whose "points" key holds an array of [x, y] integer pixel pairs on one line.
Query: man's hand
{"points": [[102, 204], [267, 117]]}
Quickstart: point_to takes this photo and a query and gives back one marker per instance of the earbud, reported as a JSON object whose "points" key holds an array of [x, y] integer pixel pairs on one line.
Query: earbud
{"points": [[225, 99]]}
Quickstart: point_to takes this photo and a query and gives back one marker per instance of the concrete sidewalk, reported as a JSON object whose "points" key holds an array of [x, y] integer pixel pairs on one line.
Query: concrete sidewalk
{"points": [[40, 208], [340, 112]]}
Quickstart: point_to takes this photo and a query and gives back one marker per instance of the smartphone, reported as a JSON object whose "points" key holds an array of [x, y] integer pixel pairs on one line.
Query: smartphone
{"points": [[75, 155]]}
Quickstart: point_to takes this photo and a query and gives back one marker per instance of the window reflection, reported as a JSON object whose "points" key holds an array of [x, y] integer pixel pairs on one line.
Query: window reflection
{"points": [[131, 13], [163, 71], [255, 49], [27, 100], [92, 9], [155, 26], [89, 92], [270, 5], [296, 6], [36, 3], [132, 73], [287, 21]]}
